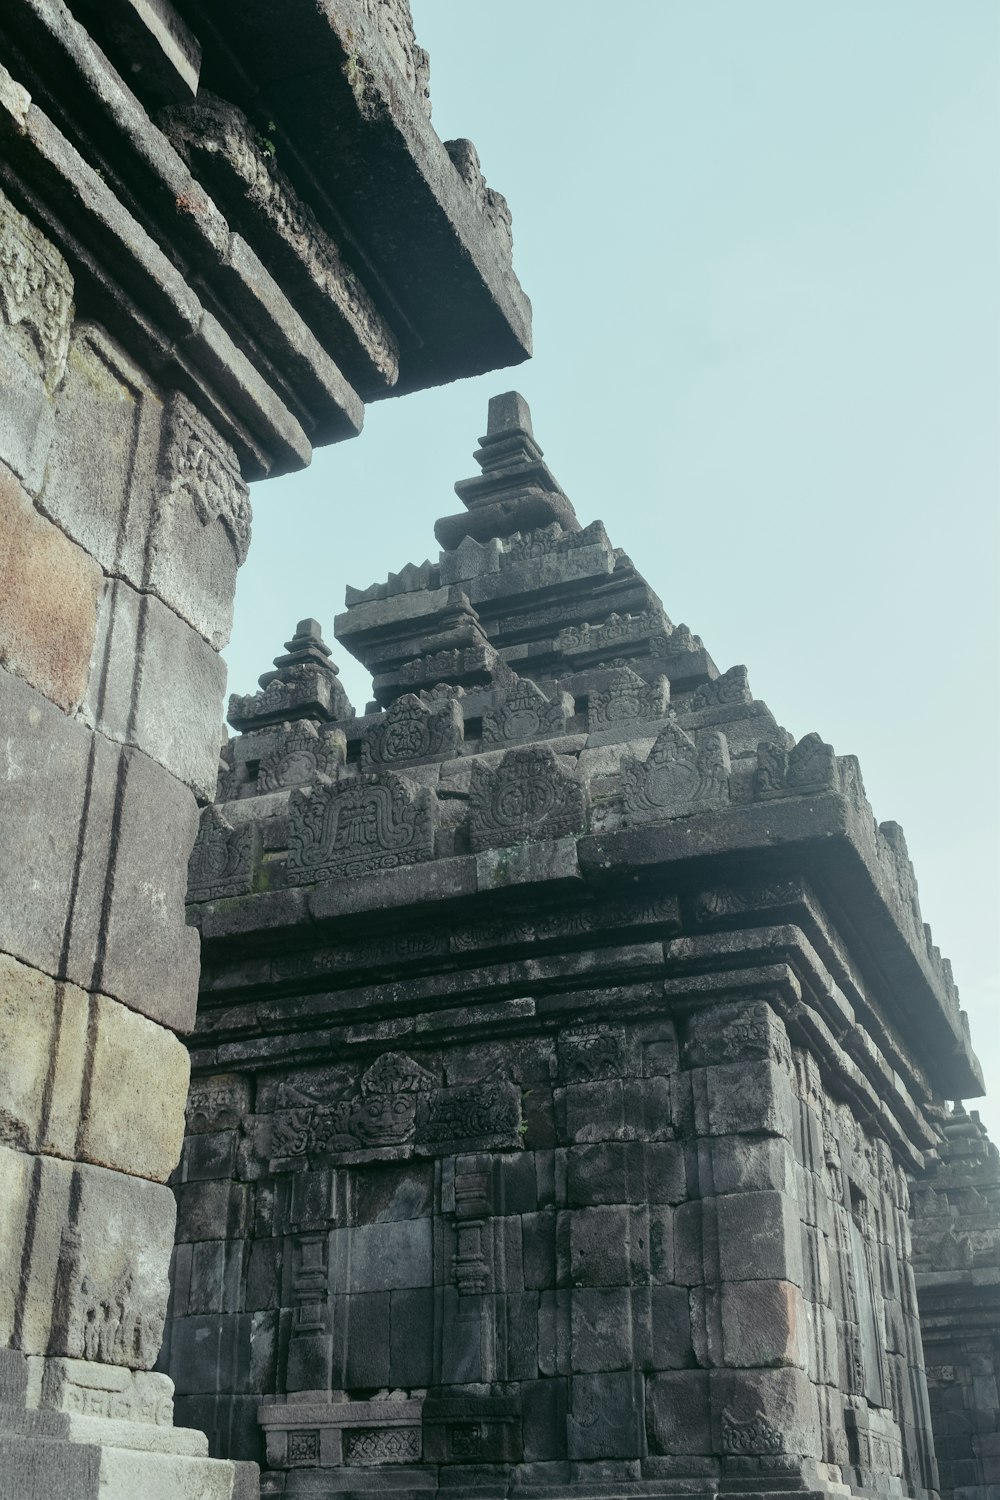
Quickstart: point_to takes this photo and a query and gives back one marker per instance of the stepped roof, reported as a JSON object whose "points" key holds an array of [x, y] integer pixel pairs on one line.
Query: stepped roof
{"points": [[541, 724]]}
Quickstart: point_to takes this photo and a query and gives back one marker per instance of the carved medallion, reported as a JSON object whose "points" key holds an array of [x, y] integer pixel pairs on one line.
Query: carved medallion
{"points": [[678, 777], [627, 699], [356, 826], [303, 754], [529, 796], [411, 731], [524, 713]]}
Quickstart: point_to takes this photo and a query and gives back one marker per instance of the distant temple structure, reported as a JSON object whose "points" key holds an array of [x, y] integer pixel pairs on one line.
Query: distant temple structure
{"points": [[569, 1047]]}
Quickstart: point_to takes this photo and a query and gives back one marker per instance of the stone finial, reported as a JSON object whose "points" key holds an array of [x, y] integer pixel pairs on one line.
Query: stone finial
{"points": [[508, 413], [516, 491], [303, 685]]}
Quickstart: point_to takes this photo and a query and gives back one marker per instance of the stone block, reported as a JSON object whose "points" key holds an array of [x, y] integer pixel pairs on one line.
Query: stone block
{"points": [[759, 1238], [763, 1323], [85, 1259], [43, 1026], [538, 1249], [27, 417], [150, 957], [361, 1343], [543, 1422], [742, 1163], [592, 1111], [607, 1416], [210, 1353], [156, 684], [411, 1337], [670, 1328], [210, 1155], [49, 589], [201, 523], [105, 836], [382, 1257], [608, 1246], [757, 1413], [630, 1172], [101, 472], [678, 1414], [213, 1210], [134, 1119], [601, 1323], [47, 772], [36, 314], [83, 1388], [749, 1097]]}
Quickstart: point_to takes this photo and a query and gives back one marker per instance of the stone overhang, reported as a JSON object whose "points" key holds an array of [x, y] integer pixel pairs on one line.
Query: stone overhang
{"points": [[898, 1005], [282, 254]]}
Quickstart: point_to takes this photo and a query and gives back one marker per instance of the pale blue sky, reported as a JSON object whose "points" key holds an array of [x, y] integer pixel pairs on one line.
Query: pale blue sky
{"points": [[762, 241]]}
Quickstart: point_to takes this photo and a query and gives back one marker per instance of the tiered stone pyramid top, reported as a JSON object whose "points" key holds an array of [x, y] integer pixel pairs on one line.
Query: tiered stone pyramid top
{"points": [[538, 716]]}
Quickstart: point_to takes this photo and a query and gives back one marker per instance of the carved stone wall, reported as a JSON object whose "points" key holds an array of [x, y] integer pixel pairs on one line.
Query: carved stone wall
{"points": [[956, 1255], [194, 291], [563, 1050]]}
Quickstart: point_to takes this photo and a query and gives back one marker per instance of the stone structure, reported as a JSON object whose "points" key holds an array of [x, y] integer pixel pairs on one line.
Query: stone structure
{"points": [[567, 1034], [222, 230], [956, 1257]]}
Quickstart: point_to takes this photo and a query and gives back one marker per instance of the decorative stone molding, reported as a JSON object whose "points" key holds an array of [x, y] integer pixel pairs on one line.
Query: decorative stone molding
{"points": [[36, 292], [203, 470], [358, 825]]}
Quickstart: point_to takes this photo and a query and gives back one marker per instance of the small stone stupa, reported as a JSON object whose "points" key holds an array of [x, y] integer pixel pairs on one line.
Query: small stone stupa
{"points": [[567, 1035]]}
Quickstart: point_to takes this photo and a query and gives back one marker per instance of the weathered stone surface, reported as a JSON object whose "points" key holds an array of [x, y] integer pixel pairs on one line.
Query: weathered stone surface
{"points": [[677, 778], [146, 661], [411, 732], [85, 1261], [50, 590], [358, 825], [528, 796], [84, 1078]]}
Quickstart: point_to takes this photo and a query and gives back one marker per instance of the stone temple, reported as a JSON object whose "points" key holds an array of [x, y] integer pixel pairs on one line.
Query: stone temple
{"points": [[568, 1058], [568, 1044]]}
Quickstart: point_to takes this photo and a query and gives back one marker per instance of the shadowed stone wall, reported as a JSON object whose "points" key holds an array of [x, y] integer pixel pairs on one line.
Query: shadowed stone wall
{"points": [[567, 1033], [956, 1251], [198, 282]]}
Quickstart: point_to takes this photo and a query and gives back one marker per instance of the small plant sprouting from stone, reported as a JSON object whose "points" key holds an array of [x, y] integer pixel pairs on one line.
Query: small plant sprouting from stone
{"points": [[266, 142], [355, 75]]}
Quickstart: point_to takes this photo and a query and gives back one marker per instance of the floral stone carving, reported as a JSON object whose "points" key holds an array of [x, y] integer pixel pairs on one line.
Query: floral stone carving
{"points": [[524, 713], [677, 777], [627, 699], [356, 826], [411, 731], [529, 796], [223, 858], [303, 754]]}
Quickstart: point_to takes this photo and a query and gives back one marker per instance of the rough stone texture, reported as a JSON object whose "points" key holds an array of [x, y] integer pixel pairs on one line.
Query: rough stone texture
{"points": [[179, 315], [50, 590], [955, 1216], [84, 1078], [549, 1132]]}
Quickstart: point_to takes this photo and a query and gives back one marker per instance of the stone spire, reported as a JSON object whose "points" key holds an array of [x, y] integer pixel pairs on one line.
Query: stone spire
{"points": [[527, 589], [303, 685], [516, 490]]}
